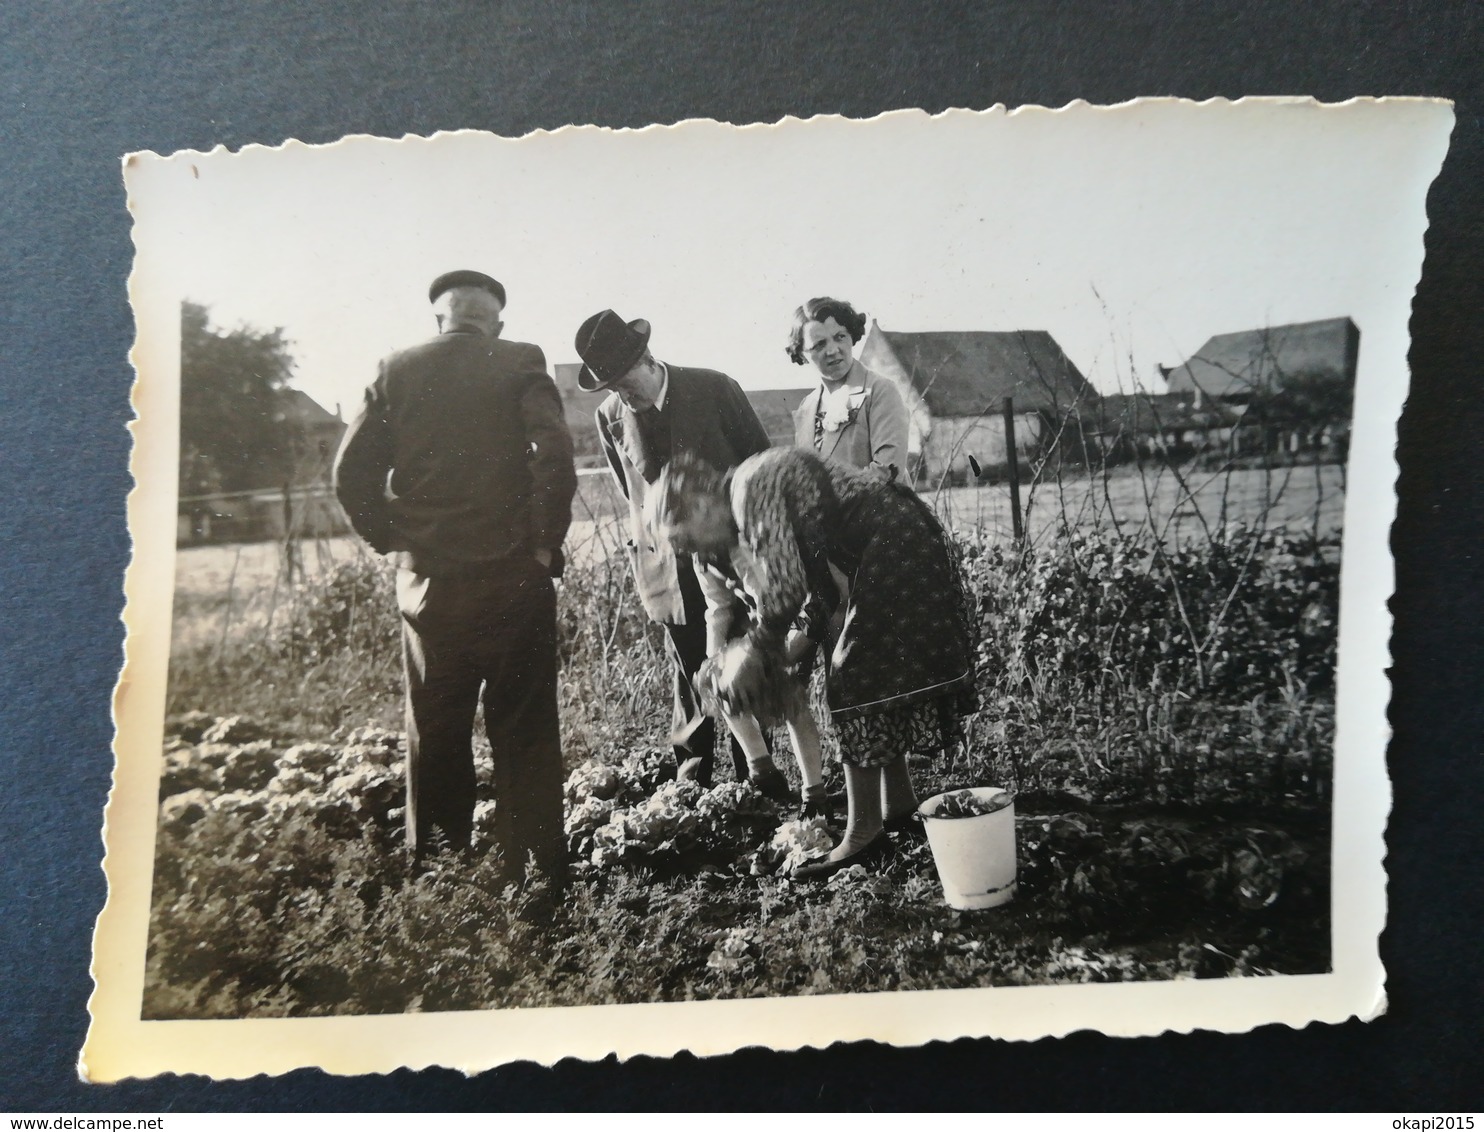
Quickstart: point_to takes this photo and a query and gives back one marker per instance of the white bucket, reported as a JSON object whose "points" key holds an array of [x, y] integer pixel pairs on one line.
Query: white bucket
{"points": [[975, 856]]}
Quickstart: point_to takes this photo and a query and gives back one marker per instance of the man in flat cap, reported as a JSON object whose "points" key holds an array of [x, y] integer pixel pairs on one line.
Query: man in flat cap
{"points": [[657, 411], [459, 465]]}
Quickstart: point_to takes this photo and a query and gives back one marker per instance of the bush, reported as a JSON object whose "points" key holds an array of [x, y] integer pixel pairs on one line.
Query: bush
{"points": [[614, 682], [327, 655], [1111, 664], [348, 611], [1110, 615]]}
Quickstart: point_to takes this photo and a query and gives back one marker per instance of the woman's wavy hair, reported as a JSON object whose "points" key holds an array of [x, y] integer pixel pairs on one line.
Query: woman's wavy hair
{"points": [[817, 310], [810, 511]]}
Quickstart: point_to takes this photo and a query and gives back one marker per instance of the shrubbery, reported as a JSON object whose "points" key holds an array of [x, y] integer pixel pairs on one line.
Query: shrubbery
{"points": [[344, 612], [1114, 666], [1113, 616], [1110, 665]]}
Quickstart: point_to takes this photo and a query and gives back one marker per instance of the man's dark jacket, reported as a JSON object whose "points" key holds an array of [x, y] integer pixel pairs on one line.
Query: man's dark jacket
{"points": [[460, 457], [706, 414]]}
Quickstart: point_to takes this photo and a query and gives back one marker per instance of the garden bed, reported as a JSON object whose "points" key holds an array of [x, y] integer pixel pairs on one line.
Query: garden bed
{"points": [[281, 889]]}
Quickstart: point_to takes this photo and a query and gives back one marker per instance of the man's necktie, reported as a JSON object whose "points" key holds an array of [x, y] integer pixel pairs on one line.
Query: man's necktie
{"points": [[656, 428]]}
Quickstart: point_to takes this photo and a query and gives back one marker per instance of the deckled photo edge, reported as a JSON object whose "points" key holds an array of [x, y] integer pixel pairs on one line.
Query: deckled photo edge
{"points": [[140, 694]]}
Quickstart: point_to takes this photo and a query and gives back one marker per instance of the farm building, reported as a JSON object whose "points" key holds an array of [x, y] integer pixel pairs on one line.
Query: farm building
{"points": [[1289, 387], [775, 408], [316, 432], [956, 383], [305, 506], [1237, 368], [1129, 425]]}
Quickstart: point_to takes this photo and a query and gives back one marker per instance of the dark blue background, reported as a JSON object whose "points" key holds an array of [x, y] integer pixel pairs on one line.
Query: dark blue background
{"points": [[84, 83]]}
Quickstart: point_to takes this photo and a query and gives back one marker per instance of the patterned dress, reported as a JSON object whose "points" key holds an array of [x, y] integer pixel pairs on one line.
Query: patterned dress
{"points": [[899, 641]]}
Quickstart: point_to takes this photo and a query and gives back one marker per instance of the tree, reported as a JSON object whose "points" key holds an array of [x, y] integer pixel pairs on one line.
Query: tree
{"points": [[1313, 397], [233, 436]]}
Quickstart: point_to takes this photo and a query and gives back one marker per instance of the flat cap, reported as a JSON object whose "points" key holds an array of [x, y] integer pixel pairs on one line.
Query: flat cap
{"points": [[451, 279]]}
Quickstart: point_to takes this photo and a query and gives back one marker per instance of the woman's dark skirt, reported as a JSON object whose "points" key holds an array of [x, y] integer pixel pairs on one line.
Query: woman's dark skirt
{"points": [[901, 672]]}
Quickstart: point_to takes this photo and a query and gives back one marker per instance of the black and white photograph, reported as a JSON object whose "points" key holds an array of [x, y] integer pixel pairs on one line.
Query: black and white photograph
{"points": [[903, 579]]}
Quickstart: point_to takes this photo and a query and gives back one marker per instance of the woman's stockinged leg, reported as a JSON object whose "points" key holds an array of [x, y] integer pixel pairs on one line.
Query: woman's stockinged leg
{"points": [[863, 797], [897, 795], [749, 736], [803, 733]]}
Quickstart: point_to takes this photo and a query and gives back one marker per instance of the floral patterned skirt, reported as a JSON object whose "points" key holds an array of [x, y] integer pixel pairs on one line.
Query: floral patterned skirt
{"points": [[900, 674], [917, 728]]}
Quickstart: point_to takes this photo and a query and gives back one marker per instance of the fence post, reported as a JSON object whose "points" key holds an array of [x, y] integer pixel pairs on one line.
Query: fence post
{"points": [[289, 551], [1012, 463]]}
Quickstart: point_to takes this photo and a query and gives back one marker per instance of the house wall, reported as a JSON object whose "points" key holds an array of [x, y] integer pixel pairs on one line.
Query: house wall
{"points": [[578, 408], [876, 355], [954, 439]]}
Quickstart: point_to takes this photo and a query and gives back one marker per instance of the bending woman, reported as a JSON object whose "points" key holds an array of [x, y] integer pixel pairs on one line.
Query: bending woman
{"points": [[863, 565]]}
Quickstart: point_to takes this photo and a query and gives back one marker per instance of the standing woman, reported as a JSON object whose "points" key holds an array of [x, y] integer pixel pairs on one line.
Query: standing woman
{"points": [[810, 537], [854, 416]]}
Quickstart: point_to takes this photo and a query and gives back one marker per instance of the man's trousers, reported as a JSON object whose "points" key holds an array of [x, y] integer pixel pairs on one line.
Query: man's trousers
{"points": [[688, 651], [492, 636]]}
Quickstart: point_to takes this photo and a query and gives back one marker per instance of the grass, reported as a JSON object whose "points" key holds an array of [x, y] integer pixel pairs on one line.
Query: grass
{"points": [[1157, 690], [1103, 899], [1180, 504]]}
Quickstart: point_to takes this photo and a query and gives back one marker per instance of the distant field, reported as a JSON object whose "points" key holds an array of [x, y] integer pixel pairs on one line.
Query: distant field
{"points": [[1304, 498], [238, 588]]}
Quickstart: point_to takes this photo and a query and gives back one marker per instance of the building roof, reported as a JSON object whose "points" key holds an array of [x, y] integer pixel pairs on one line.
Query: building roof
{"points": [[965, 373], [303, 410], [1237, 365]]}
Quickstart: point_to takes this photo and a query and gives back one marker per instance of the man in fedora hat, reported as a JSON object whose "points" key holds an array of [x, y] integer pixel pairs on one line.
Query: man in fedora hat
{"points": [[459, 466], [656, 412]]}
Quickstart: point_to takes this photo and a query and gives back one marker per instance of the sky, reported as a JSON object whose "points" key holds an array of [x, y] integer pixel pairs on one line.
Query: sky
{"points": [[1132, 235]]}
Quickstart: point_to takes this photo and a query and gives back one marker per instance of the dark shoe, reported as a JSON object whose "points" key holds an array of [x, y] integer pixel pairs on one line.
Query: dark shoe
{"points": [[903, 823], [772, 785], [817, 808], [869, 854]]}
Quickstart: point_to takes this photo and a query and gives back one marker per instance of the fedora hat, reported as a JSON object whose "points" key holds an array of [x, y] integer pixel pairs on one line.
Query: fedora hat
{"points": [[609, 347], [451, 279]]}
